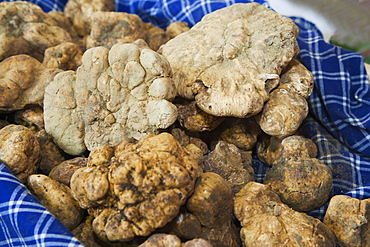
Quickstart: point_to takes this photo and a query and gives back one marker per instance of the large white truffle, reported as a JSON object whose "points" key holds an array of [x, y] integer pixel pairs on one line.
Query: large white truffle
{"points": [[122, 92]]}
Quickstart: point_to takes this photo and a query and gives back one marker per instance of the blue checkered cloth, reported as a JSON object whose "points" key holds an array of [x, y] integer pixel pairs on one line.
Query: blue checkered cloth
{"points": [[339, 120], [24, 221]]}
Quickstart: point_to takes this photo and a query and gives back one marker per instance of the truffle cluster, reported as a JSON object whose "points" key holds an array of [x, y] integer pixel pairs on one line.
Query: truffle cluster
{"points": [[133, 134]]}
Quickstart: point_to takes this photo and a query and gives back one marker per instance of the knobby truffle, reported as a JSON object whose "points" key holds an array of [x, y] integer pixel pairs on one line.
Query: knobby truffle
{"points": [[19, 150], [26, 29], [133, 188], [230, 60], [349, 218], [22, 82], [266, 221], [122, 92]]}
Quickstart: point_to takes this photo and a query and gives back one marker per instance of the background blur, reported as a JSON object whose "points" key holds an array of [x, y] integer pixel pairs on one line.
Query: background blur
{"points": [[343, 22]]}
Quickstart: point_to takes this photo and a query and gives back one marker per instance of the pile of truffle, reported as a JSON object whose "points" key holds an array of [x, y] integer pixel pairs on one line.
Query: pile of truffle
{"points": [[136, 136]]}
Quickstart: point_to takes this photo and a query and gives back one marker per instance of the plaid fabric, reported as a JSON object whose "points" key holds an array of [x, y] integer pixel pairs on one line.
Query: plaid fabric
{"points": [[24, 221], [339, 120], [46, 5], [163, 12], [339, 110], [341, 99]]}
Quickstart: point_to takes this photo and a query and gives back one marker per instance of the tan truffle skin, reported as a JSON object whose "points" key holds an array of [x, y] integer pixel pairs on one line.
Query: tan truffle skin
{"points": [[109, 28], [51, 154], [19, 150], [197, 242], [349, 219], [26, 29], [162, 240], [30, 116], [228, 59], [296, 78], [302, 183], [192, 118], [64, 171], [185, 225], [212, 204], [271, 150], [170, 240], [187, 139], [23, 80], [65, 22], [266, 221], [283, 113], [65, 56], [176, 28], [242, 133], [57, 198], [155, 36], [84, 232], [81, 11], [136, 188], [234, 165]]}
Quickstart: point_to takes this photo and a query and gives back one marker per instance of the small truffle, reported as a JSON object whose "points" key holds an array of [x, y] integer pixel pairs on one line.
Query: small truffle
{"points": [[349, 218], [176, 28], [26, 29], [192, 118], [57, 198], [271, 150], [81, 11], [212, 204], [266, 221], [51, 155], [64, 171], [23, 80], [185, 138], [296, 78], [242, 132], [304, 184], [162, 240], [30, 116], [65, 56], [283, 113], [234, 165], [19, 150], [109, 28]]}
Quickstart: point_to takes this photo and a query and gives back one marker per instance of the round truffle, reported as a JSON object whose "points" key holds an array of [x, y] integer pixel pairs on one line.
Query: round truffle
{"points": [[302, 183]]}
